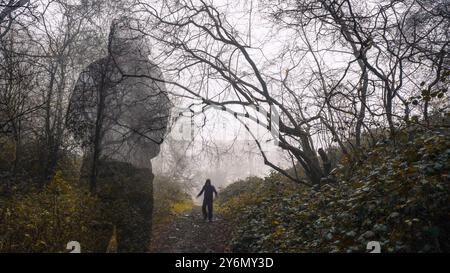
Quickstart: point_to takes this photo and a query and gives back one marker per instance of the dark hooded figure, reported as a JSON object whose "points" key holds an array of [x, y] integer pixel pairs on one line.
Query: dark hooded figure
{"points": [[207, 207], [119, 111]]}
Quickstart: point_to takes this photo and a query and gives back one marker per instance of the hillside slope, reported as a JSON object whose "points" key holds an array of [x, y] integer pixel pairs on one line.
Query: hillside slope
{"points": [[398, 196]]}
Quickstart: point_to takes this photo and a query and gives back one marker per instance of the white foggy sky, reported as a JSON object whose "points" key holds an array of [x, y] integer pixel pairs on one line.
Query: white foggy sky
{"points": [[222, 128], [267, 42]]}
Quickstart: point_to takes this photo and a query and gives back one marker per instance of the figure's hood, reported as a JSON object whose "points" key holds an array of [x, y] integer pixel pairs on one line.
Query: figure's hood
{"points": [[126, 39]]}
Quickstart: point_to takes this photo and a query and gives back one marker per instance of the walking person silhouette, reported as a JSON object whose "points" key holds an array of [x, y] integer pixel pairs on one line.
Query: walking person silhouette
{"points": [[207, 207]]}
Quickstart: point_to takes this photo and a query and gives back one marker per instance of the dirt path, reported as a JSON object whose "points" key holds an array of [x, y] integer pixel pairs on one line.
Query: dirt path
{"points": [[190, 233]]}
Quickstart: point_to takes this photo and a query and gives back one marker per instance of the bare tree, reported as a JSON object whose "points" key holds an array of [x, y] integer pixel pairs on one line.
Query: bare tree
{"points": [[10, 10], [372, 88], [246, 87]]}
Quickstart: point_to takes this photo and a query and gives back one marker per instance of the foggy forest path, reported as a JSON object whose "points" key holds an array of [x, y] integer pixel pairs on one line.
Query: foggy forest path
{"points": [[190, 233]]}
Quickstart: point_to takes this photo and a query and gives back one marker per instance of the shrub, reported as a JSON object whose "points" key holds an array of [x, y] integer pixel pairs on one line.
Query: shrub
{"points": [[398, 196], [46, 220], [170, 198]]}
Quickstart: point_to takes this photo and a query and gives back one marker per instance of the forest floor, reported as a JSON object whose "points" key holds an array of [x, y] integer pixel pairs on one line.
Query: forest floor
{"points": [[189, 233]]}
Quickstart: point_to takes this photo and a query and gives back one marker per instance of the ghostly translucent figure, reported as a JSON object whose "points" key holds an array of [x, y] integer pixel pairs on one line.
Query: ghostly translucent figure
{"points": [[119, 112], [119, 97]]}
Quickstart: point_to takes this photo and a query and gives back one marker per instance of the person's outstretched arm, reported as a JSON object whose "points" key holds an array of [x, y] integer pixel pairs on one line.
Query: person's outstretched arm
{"points": [[215, 192], [203, 189]]}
